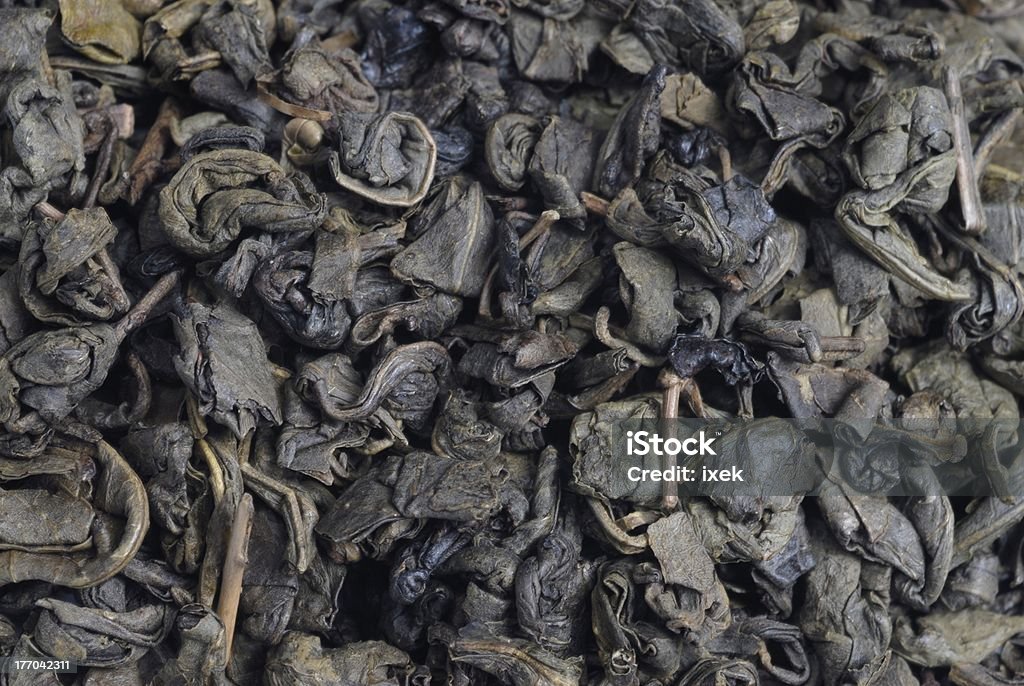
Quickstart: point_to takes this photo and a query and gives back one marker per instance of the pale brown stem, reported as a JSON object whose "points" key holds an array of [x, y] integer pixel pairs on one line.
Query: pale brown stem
{"points": [[544, 222], [340, 41], [732, 282], [693, 398], [235, 561], [614, 337], [49, 211], [245, 447], [102, 164], [725, 159], [216, 473], [484, 306], [209, 59], [966, 180], [107, 264], [147, 164], [196, 421], [123, 117], [838, 348], [672, 384], [375, 447], [280, 373], [595, 204]]}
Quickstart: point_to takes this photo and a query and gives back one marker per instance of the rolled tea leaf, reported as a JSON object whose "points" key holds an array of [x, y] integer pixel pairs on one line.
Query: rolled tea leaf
{"points": [[388, 159], [218, 194]]}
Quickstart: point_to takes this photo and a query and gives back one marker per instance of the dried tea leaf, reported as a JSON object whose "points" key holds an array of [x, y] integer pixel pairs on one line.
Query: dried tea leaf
{"points": [[224, 362], [457, 238], [218, 194], [388, 159], [102, 30]]}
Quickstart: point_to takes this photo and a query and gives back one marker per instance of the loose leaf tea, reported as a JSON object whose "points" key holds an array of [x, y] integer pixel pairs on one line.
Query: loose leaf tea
{"points": [[526, 342]]}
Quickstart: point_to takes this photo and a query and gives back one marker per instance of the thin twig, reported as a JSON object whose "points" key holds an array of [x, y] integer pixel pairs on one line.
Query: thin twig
{"points": [[340, 41], [138, 314], [148, 163], [732, 282], [725, 159], [614, 337], [208, 59], [216, 473], [838, 348], [117, 294], [693, 398], [103, 158], [123, 117], [595, 204], [47, 210], [235, 561], [967, 182], [546, 220], [672, 383], [993, 138]]}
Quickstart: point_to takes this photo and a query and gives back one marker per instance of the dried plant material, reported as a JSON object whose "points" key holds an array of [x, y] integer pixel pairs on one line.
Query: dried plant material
{"points": [[218, 194], [102, 30], [223, 360], [387, 159], [353, 342]]}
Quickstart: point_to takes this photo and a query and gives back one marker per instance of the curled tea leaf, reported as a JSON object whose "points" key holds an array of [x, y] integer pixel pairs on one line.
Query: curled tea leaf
{"points": [[454, 251], [101, 30], [282, 283], [509, 147], [218, 194], [223, 361], [388, 159]]}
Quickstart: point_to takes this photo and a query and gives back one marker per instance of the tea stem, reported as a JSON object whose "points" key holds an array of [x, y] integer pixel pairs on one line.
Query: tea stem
{"points": [[117, 292], [340, 41], [993, 138], [672, 383], [49, 211], [143, 397], [235, 561], [694, 398], [103, 158], [725, 159], [838, 348], [216, 473], [595, 204], [209, 59], [967, 181], [543, 224], [148, 165], [614, 337], [138, 314], [123, 118], [732, 282]]}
